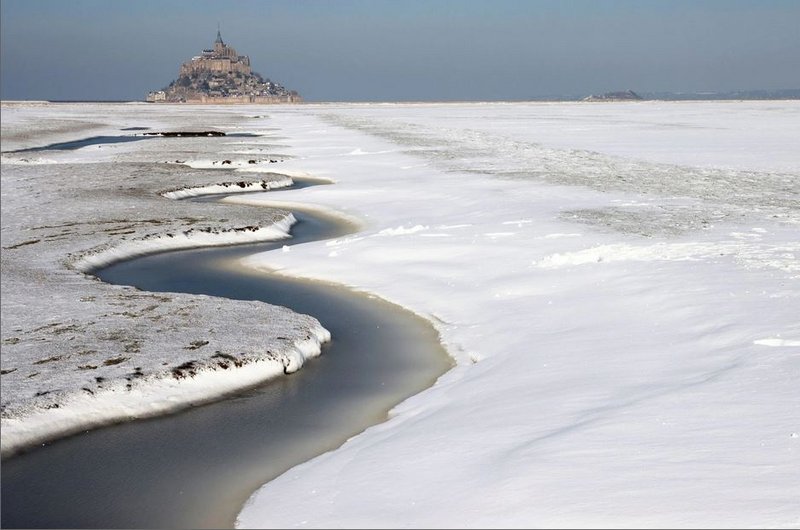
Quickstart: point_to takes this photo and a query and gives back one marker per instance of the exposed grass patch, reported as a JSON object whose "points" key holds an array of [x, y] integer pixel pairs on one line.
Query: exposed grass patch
{"points": [[24, 243], [114, 360], [48, 360], [187, 369], [225, 360]]}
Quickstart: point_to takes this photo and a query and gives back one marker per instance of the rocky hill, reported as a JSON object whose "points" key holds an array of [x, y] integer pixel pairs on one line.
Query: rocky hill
{"points": [[220, 75], [628, 95], [207, 84]]}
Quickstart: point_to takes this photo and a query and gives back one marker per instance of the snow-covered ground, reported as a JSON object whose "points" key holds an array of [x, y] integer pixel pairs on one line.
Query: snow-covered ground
{"points": [[618, 284], [77, 352]]}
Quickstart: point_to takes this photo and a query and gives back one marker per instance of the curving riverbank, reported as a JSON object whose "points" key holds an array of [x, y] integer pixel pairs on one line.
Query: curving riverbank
{"points": [[197, 468], [98, 357], [124, 377]]}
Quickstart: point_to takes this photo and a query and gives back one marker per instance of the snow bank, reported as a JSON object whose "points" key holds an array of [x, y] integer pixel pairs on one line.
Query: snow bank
{"points": [[228, 187], [622, 303], [259, 165], [152, 396], [187, 239]]}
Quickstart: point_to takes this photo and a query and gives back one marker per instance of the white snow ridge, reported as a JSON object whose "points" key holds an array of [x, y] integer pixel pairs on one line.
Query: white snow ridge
{"points": [[187, 239]]}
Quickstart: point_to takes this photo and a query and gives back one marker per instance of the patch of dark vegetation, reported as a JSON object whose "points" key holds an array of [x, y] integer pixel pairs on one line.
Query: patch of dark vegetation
{"points": [[176, 134], [42, 393], [227, 162], [196, 344], [46, 326], [4, 372], [187, 369], [66, 329], [226, 360], [24, 243], [135, 129], [11, 340], [87, 367], [34, 374], [114, 360], [48, 360]]}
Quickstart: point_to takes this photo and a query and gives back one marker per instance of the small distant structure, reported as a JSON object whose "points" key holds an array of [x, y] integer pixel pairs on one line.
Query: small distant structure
{"points": [[628, 95], [156, 96], [219, 75]]}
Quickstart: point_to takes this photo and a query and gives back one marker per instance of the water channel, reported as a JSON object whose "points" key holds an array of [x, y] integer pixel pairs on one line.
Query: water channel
{"points": [[196, 468]]}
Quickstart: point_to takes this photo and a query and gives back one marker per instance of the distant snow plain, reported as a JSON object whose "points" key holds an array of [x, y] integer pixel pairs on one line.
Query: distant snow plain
{"points": [[617, 282]]}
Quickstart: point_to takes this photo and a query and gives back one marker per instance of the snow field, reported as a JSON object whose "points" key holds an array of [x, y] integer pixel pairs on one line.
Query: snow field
{"points": [[613, 369]]}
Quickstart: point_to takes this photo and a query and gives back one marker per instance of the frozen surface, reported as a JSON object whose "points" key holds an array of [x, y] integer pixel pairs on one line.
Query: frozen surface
{"points": [[77, 352], [618, 284]]}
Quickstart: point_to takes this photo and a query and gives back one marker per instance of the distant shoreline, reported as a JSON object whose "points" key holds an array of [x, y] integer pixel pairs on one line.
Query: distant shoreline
{"points": [[754, 95]]}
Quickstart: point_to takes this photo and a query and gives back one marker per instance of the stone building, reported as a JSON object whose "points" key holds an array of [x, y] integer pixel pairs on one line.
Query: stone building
{"points": [[156, 95], [221, 76], [221, 59]]}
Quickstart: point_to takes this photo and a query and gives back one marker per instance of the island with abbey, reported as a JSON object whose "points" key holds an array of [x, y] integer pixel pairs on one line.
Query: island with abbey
{"points": [[221, 76]]}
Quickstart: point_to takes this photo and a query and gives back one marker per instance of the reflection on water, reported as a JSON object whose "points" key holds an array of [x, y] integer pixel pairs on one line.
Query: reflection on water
{"points": [[196, 468]]}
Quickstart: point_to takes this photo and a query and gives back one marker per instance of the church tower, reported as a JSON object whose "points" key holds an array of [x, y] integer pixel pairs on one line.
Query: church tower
{"points": [[219, 46]]}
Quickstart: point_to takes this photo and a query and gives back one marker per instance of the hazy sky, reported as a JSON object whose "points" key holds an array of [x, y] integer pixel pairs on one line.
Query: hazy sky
{"points": [[372, 50]]}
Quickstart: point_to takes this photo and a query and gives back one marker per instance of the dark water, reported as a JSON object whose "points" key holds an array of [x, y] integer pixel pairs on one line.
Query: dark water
{"points": [[104, 140], [196, 468], [85, 142]]}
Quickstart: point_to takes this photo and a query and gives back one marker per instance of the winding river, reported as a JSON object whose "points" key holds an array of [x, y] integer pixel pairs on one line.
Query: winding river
{"points": [[196, 468]]}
